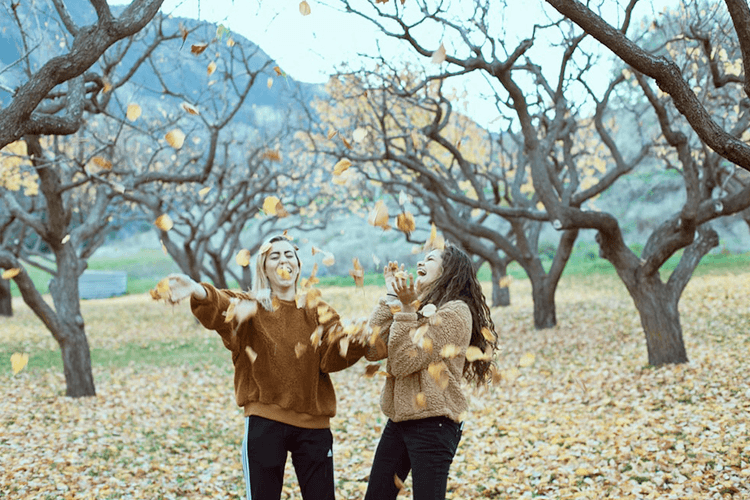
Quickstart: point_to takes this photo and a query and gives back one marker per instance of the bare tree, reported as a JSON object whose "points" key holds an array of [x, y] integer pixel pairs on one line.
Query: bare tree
{"points": [[34, 110]]}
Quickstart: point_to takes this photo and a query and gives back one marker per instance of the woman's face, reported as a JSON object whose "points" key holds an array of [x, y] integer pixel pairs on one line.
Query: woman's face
{"points": [[429, 270], [281, 266]]}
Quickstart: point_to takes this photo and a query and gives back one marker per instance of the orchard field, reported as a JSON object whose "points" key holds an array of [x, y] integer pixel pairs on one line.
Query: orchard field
{"points": [[577, 414]]}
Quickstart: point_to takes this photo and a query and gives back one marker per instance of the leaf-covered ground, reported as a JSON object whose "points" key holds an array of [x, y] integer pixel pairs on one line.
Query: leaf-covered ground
{"points": [[578, 414]]}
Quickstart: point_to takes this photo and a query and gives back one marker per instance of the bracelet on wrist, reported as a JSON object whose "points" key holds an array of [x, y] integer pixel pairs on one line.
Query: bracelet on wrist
{"points": [[392, 295]]}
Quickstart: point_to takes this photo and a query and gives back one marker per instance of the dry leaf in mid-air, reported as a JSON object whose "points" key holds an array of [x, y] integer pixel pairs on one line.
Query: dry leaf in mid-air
{"points": [[487, 334], [211, 68], [341, 166], [329, 259], [204, 191], [243, 257], [304, 8], [10, 273], [371, 370], [133, 112], [435, 242], [359, 134], [198, 48], [358, 273], [164, 222], [102, 162], [438, 57], [379, 216], [65, 239], [473, 353], [405, 222], [175, 138], [428, 310], [189, 108], [270, 204]]}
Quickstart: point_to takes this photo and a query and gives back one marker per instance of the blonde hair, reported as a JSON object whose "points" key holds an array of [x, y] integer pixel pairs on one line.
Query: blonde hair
{"points": [[261, 285]]}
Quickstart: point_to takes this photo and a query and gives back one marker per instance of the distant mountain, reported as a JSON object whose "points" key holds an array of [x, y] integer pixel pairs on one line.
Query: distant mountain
{"points": [[182, 71]]}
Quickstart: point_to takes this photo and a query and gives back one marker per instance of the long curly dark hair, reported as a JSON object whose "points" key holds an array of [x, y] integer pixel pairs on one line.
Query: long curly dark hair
{"points": [[458, 281]]}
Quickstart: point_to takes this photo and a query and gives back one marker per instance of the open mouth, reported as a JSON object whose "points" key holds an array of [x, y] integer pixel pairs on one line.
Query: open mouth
{"points": [[284, 272], [421, 272]]}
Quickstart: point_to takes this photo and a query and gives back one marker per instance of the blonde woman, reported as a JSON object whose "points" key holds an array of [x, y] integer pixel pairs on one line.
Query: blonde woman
{"points": [[436, 320], [280, 379]]}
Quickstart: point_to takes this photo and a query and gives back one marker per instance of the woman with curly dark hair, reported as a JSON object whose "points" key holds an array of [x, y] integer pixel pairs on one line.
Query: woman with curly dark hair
{"points": [[434, 332]]}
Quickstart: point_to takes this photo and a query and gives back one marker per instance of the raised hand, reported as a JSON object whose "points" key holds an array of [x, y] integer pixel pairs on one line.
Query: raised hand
{"points": [[403, 286], [389, 273], [182, 286]]}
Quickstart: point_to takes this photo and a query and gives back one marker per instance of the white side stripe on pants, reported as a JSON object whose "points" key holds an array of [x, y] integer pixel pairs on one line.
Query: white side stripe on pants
{"points": [[245, 463]]}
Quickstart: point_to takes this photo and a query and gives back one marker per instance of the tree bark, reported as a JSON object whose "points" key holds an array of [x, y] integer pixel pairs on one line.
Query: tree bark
{"points": [[500, 293], [6, 304], [543, 295]]}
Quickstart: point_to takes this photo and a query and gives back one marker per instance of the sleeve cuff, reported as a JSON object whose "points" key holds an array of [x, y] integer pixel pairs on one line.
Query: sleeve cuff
{"points": [[402, 316]]}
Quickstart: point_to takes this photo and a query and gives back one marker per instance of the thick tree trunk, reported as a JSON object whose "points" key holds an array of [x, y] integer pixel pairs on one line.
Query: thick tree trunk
{"points": [[543, 295], [71, 334], [6, 304], [500, 290], [76, 357], [660, 319]]}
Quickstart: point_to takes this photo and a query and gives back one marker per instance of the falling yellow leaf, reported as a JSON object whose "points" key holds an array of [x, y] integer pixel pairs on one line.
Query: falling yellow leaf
{"points": [[488, 335], [243, 257], [405, 222], [10, 273], [270, 204], [65, 239], [189, 108], [358, 273], [341, 166], [332, 132], [211, 68], [474, 353], [403, 198], [164, 222], [271, 154], [346, 143], [304, 8], [281, 211], [269, 82], [251, 354], [316, 250], [175, 138], [527, 360], [438, 57], [203, 192], [229, 313], [198, 48], [435, 242], [505, 281], [371, 370], [102, 162], [278, 71], [18, 361], [265, 247], [329, 259], [379, 216], [107, 85], [344, 346], [133, 112]]}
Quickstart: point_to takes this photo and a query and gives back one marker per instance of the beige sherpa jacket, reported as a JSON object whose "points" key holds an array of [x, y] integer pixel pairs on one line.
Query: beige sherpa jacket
{"points": [[412, 389]]}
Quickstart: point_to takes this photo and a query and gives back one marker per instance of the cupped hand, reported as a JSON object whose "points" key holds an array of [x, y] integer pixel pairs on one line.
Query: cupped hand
{"points": [[389, 273], [404, 288]]}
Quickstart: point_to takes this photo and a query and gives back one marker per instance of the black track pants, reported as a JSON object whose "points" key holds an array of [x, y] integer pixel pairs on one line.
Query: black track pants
{"points": [[264, 453]]}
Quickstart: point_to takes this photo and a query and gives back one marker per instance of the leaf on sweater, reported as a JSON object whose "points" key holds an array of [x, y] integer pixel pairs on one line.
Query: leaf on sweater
{"points": [[439, 373], [450, 351], [300, 349], [251, 354], [229, 313], [420, 400], [374, 334], [243, 309], [395, 308]]}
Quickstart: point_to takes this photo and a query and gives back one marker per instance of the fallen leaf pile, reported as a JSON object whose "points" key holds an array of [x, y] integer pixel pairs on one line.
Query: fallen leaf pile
{"points": [[575, 411]]}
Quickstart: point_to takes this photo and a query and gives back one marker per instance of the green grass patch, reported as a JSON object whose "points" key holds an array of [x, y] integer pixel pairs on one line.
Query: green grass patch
{"points": [[190, 352]]}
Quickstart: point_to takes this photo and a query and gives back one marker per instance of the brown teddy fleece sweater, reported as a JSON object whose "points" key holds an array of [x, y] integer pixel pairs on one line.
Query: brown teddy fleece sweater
{"points": [[278, 384], [408, 365]]}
